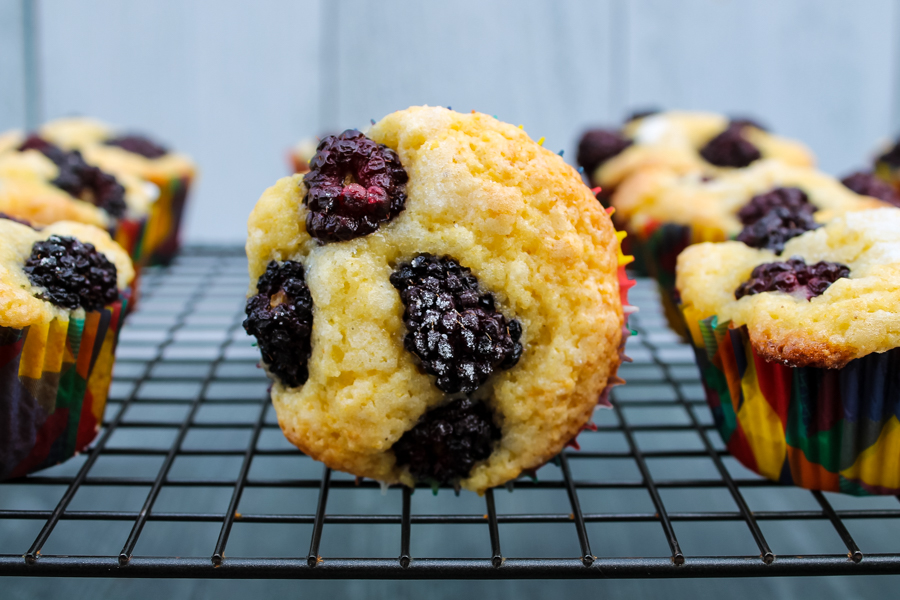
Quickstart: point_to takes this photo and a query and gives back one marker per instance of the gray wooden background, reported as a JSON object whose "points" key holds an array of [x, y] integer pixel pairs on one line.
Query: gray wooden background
{"points": [[236, 83]]}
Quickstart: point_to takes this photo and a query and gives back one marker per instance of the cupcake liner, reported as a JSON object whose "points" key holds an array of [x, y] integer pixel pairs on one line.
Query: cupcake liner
{"points": [[54, 381], [163, 238], [834, 430], [130, 233], [660, 244]]}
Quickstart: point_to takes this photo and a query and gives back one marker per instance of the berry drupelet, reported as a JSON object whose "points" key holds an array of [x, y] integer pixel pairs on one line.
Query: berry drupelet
{"points": [[453, 328], [80, 179], [447, 442], [792, 277], [771, 219], [354, 184], [868, 184], [71, 274], [280, 317], [598, 146], [138, 144], [730, 148]]}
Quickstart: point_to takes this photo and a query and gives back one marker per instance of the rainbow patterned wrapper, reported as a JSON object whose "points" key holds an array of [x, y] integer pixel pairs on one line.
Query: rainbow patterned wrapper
{"points": [[660, 245], [54, 381], [163, 237], [130, 234], [834, 430]]}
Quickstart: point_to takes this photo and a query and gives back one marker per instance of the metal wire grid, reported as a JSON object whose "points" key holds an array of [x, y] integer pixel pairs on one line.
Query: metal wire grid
{"points": [[187, 336]]}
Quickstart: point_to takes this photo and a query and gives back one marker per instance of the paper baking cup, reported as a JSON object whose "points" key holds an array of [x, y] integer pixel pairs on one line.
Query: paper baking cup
{"points": [[660, 244], [163, 238], [54, 381], [130, 234], [834, 430]]}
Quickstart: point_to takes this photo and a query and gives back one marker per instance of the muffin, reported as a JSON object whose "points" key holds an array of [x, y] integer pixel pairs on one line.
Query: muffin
{"points": [[135, 155], [119, 203], [800, 354], [63, 293], [887, 166], [437, 300], [300, 155], [762, 205]]}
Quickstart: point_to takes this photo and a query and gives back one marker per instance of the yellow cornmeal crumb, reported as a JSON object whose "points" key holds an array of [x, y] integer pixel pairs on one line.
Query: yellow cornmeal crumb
{"points": [[674, 139], [484, 193], [19, 307], [664, 196], [74, 133], [855, 316], [26, 192]]}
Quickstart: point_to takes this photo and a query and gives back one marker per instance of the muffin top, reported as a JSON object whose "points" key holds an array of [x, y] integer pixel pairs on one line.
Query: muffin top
{"points": [[841, 283], [484, 217], [86, 188], [686, 141], [661, 195], [46, 293]]}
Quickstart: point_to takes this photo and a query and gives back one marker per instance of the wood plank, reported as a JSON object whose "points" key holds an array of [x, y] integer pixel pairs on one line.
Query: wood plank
{"points": [[821, 71]]}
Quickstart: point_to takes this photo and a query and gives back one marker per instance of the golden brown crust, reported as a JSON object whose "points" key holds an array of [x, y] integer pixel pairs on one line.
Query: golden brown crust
{"points": [[673, 140], [856, 316], [522, 220]]}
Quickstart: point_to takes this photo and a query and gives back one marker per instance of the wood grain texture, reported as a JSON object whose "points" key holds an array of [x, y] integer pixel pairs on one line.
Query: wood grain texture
{"points": [[12, 65], [234, 88], [819, 70]]}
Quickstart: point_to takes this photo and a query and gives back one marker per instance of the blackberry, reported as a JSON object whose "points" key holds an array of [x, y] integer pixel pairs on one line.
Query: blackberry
{"points": [[791, 198], [280, 317], [598, 146], [447, 442], [867, 183], [71, 274], [138, 144], [730, 148], [354, 184], [3, 215], [80, 179], [746, 122], [792, 276], [892, 157], [453, 328], [774, 229], [641, 114]]}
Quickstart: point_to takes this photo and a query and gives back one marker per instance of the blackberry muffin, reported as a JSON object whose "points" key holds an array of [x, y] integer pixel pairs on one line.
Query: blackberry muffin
{"points": [[763, 205], [122, 201], [685, 142], [887, 166], [437, 300], [63, 294], [800, 352], [135, 155]]}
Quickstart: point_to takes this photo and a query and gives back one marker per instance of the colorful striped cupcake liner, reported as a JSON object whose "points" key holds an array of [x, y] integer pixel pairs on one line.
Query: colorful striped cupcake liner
{"points": [[163, 239], [54, 381], [834, 430]]}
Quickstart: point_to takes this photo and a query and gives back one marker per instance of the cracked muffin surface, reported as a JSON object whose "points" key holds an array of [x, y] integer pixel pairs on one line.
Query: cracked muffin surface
{"points": [[852, 313], [529, 233]]}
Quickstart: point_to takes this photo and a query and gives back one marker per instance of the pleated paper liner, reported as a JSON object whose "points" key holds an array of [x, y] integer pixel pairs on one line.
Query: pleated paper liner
{"points": [[660, 244], [54, 382], [163, 237], [833, 430]]}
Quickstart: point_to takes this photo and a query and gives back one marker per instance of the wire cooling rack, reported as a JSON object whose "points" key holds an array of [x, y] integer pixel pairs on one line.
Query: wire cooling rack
{"points": [[191, 477]]}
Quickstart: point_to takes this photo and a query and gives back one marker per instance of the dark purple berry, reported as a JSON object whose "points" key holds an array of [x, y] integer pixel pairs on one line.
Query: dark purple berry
{"points": [[641, 114], [454, 328], [892, 157], [775, 228], [80, 179], [730, 148], [280, 317], [447, 441], [138, 144], [791, 198], [354, 184], [598, 146], [71, 274], [791, 276], [3, 215], [746, 122], [867, 183]]}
